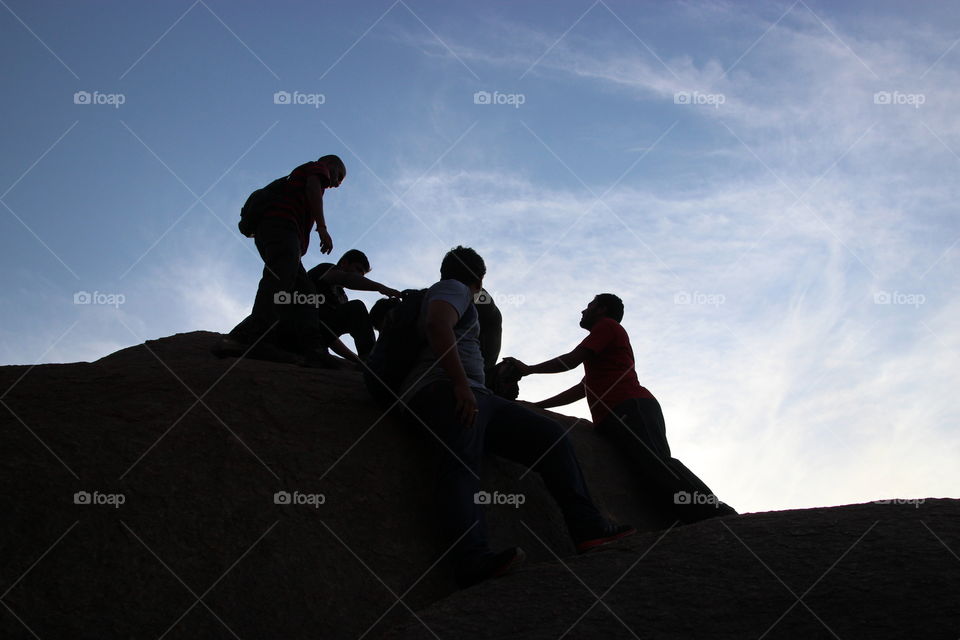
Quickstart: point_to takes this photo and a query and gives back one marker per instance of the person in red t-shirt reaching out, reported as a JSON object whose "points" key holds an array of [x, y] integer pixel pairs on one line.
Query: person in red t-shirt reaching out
{"points": [[626, 412]]}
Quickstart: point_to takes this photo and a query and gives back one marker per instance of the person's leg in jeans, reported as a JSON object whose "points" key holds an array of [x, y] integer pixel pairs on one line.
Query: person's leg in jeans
{"points": [[278, 243], [517, 433], [458, 455], [637, 428], [351, 318]]}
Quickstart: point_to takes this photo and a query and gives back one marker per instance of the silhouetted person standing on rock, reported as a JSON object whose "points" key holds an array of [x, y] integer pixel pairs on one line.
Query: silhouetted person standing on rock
{"points": [[447, 393], [286, 302], [626, 412], [340, 315]]}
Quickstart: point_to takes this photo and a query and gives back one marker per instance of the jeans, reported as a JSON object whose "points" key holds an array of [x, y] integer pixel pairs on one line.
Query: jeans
{"points": [[637, 428], [353, 318], [509, 430], [297, 327]]}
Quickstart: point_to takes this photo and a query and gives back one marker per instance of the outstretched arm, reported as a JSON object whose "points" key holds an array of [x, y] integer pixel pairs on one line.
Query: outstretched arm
{"points": [[571, 395], [566, 362], [357, 282]]}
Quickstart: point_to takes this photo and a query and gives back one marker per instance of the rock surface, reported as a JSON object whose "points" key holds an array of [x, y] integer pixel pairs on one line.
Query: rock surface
{"points": [[860, 571], [196, 447]]}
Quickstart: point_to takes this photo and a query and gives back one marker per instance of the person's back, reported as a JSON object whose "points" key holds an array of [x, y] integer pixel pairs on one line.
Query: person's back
{"points": [[445, 393], [610, 375]]}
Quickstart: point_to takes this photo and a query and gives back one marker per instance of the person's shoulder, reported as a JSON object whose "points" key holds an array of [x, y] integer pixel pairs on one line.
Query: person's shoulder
{"points": [[321, 268], [312, 168], [448, 287], [608, 325]]}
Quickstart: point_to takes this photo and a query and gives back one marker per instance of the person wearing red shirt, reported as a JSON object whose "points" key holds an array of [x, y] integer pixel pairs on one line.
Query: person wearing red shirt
{"points": [[283, 325], [626, 412]]}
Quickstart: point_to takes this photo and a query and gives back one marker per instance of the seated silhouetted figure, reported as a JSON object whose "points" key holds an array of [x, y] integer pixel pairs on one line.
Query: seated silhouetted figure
{"points": [[447, 394], [338, 315], [626, 412]]}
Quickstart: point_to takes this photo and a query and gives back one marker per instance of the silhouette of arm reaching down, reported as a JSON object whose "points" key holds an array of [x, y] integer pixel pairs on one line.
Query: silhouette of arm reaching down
{"points": [[571, 395], [315, 188], [441, 318]]}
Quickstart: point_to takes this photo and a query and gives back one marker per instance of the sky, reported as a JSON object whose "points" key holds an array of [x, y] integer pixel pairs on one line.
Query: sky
{"points": [[770, 188]]}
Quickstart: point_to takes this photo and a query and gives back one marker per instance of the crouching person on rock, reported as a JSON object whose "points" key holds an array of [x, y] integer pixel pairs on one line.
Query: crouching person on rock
{"points": [[447, 394]]}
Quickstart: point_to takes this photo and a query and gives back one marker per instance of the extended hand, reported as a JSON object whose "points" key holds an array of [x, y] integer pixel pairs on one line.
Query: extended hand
{"points": [[521, 368], [326, 242], [387, 291]]}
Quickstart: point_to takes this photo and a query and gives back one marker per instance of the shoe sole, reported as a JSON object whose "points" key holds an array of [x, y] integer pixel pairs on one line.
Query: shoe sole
{"points": [[592, 545], [515, 562]]}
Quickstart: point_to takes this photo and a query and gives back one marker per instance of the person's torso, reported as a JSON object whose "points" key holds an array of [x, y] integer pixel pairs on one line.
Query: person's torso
{"points": [[466, 333], [333, 294], [610, 376]]}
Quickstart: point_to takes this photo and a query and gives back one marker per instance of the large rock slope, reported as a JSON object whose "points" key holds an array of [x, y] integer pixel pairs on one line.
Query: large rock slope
{"points": [[197, 447]]}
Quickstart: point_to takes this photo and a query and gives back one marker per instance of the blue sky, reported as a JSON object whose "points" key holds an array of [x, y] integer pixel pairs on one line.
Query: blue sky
{"points": [[770, 187]]}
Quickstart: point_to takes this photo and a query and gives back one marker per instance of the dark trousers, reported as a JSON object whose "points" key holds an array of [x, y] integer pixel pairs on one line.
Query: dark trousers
{"points": [[509, 430], [296, 326], [349, 318], [637, 428]]}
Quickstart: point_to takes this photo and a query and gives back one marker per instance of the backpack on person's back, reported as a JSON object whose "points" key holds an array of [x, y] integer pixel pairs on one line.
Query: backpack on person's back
{"points": [[258, 203], [397, 349]]}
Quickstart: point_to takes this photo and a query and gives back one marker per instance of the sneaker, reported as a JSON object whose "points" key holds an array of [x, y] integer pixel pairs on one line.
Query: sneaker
{"points": [[610, 533], [489, 566]]}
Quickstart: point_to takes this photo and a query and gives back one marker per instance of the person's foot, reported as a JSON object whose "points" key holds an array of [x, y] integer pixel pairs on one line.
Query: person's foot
{"points": [[609, 533], [489, 566], [272, 353], [229, 347], [322, 359]]}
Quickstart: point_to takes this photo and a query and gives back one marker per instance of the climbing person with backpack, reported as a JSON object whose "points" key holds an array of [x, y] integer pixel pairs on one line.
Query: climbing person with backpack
{"points": [[283, 324], [444, 391]]}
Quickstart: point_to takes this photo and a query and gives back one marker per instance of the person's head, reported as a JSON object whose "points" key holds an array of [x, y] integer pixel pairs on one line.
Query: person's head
{"points": [[464, 264], [380, 310], [338, 171], [604, 305], [354, 261]]}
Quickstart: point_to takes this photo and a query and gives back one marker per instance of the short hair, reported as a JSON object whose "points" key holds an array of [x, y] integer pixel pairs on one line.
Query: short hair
{"points": [[355, 255], [463, 264], [613, 305], [380, 310], [335, 162]]}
